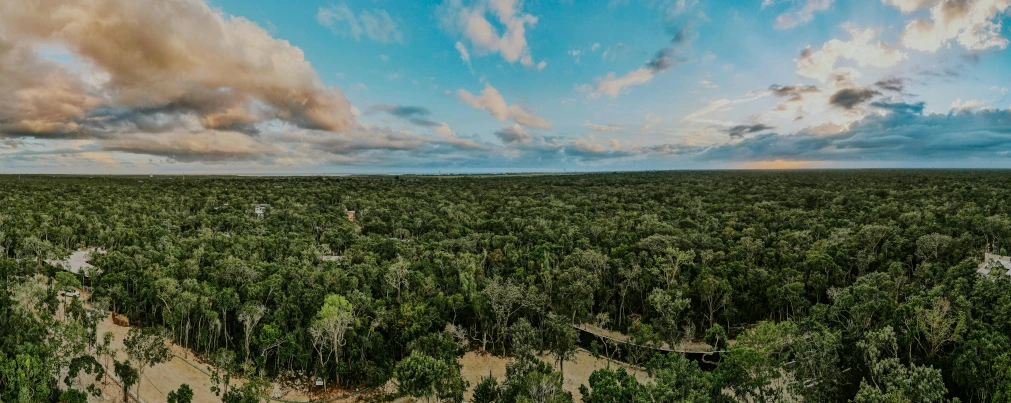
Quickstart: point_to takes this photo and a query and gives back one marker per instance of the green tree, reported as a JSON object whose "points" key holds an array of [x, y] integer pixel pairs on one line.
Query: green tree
{"points": [[753, 368], [612, 386], [146, 348], [128, 376], [419, 375], [223, 366], [486, 391], [182, 395], [249, 316], [562, 340], [889, 380], [671, 307], [526, 339], [716, 337], [676, 379], [981, 364], [332, 323], [73, 396]]}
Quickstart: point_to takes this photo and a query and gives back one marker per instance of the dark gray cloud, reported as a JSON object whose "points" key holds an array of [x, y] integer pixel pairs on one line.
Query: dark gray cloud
{"points": [[900, 107], [664, 59], [512, 135], [418, 115], [849, 98], [946, 74], [740, 130], [904, 134], [793, 91], [682, 33], [894, 84]]}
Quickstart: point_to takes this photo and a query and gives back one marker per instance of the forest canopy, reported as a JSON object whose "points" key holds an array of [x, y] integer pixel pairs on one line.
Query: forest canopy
{"points": [[820, 285]]}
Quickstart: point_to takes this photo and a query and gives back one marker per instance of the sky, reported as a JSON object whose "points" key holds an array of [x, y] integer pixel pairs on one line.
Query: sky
{"points": [[485, 86]]}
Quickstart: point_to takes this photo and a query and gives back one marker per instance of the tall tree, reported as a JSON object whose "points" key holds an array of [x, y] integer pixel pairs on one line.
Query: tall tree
{"points": [[146, 348], [332, 322]]}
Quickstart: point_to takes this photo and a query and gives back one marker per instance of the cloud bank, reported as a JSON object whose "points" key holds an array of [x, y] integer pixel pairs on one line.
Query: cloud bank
{"points": [[902, 133], [177, 76], [973, 24]]}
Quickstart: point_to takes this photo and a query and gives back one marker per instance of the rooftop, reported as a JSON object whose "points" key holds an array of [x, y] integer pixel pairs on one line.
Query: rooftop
{"points": [[991, 260]]}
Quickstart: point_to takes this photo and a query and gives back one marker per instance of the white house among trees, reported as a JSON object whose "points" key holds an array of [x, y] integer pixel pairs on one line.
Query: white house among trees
{"points": [[991, 261]]}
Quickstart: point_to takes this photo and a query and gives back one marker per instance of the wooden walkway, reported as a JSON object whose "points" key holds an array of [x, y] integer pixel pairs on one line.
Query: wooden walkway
{"points": [[689, 348]]}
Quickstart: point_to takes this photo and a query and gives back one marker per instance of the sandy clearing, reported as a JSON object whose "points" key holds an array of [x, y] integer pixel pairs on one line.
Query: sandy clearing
{"points": [[78, 261], [162, 378], [158, 380], [577, 372]]}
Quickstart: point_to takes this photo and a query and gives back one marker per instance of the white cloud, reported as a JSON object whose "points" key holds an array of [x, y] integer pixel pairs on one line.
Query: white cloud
{"points": [[974, 24], [800, 14], [375, 24], [584, 145], [472, 22], [447, 135], [908, 6], [612, 85], [820, 64], [708, 84], [493, 102], [464, 55], [576, 54], [649, 122], [594, 48], [608, 128], [718, 104], [967, 105], [194, 64]]}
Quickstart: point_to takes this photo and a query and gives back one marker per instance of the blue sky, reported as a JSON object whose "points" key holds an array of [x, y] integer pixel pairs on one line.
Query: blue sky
{"points": [[228, 86]]}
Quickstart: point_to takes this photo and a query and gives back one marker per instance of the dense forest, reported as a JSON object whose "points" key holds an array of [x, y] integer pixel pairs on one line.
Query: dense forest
{"points": [[829, 285]]}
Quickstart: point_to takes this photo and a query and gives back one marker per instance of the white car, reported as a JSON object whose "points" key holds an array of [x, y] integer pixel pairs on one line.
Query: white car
{"points": [[70, 292]]}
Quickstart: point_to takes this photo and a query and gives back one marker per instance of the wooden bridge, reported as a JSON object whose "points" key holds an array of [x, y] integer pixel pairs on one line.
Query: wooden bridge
{"points": [[695, 351]]}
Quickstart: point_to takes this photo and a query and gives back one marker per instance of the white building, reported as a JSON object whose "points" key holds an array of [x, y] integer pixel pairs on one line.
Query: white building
{"points": [[259, 209], [991, 261]]}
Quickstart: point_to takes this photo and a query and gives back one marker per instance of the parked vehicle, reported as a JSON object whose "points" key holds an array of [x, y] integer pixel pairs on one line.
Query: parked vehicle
{"points": [[69, 292]]}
